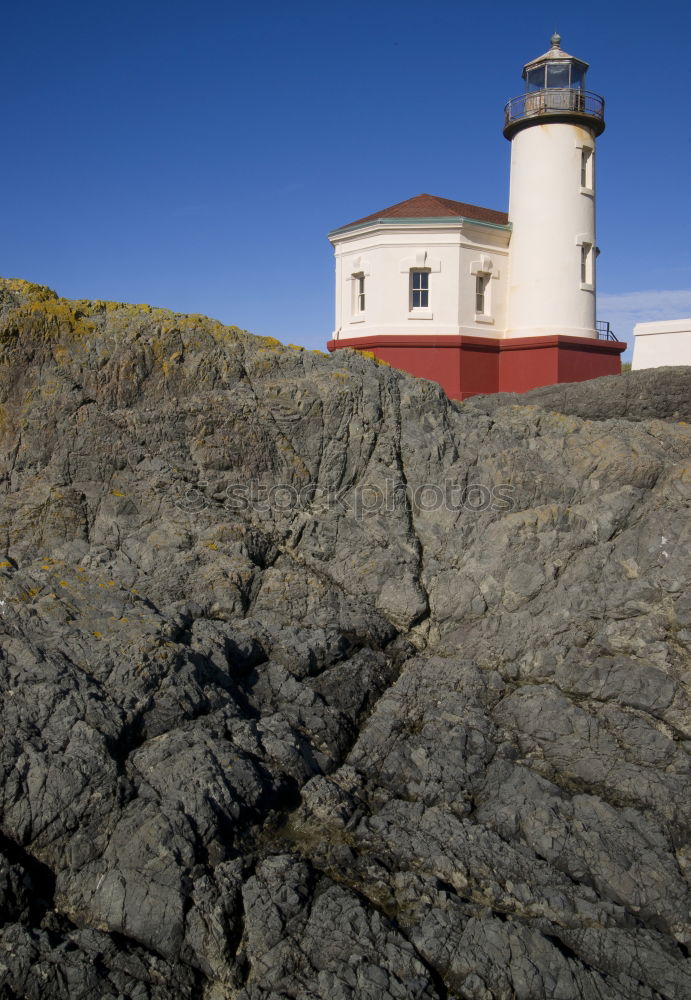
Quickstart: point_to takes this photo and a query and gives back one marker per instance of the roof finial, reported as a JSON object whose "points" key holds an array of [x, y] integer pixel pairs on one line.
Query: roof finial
{"points": [[555, 40]]}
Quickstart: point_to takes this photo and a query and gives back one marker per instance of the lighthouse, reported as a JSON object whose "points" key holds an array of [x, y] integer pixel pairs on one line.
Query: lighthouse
{"points": [[552, 128], [477, 299]]}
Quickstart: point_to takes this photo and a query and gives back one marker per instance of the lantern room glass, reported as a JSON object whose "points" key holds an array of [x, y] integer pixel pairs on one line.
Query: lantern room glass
{"points": [[577, 77], [561, 74], [536, 78], [558, 75]]}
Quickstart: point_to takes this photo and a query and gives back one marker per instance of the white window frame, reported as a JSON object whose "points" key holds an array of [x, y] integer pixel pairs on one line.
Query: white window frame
{"points": [[586, 176], [421, 260], [586, 265], [483, 270], [359, 293], [481, 293], [426, 290], [358, 271]]}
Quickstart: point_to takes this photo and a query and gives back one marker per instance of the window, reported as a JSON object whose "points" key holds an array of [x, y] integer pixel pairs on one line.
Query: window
{"points": [[419, 288], [558, 74], [586, 167], [483, 271], [536, 78], [359, 293], [586, 263], [577, 77], [481, 282]]}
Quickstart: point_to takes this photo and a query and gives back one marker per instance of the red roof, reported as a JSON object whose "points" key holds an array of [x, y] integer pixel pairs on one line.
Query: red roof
{"points": [[428, 206]]}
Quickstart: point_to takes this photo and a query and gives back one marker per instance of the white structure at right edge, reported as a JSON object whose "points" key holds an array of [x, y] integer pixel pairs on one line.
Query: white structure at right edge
{"points": [[552, 128], [664, 342]]}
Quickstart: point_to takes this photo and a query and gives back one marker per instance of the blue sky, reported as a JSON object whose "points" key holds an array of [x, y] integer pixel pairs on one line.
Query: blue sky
{"points": [[194, 156]]}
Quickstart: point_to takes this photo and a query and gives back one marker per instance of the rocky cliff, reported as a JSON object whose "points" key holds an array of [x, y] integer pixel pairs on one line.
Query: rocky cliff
{"points": [[315, 684]]}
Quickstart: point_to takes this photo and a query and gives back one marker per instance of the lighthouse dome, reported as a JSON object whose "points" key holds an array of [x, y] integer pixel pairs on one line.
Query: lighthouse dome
{"points": [[555, 69]]}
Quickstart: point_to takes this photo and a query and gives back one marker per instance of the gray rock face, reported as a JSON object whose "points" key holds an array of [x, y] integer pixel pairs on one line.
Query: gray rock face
{"points": [[637, 396], [315, 684]]}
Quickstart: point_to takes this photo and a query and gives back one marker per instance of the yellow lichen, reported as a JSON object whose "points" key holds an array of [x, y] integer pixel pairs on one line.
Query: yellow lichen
{"points": [[39, 293], [371, 356]]}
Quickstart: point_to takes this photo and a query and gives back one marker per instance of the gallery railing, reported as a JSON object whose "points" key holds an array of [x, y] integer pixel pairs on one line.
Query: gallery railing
{"points": [[554, 101], [604, 331]]}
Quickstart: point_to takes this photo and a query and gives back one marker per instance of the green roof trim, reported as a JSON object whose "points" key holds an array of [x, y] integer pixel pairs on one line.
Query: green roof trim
{"points": [[432, 220]]}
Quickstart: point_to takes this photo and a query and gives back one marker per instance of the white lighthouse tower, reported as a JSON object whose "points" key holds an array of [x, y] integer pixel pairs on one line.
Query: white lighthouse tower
{"points": [[552, 128]]}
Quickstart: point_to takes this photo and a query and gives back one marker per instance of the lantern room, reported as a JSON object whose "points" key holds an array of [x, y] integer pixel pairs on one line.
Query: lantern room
{"points": [[555, 89]]}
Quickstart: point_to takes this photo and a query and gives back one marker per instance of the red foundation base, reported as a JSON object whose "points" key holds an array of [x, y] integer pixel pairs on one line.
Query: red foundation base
{"points": [[466, 366]]}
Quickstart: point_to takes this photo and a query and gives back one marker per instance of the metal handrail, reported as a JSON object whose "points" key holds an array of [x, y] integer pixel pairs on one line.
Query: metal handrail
{"points": [[554, 101], [604, 331]]}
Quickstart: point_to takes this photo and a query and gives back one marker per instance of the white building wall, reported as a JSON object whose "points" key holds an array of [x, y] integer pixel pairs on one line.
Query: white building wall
{"points": [[452, 253], [552, 214], [662, 343]]}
